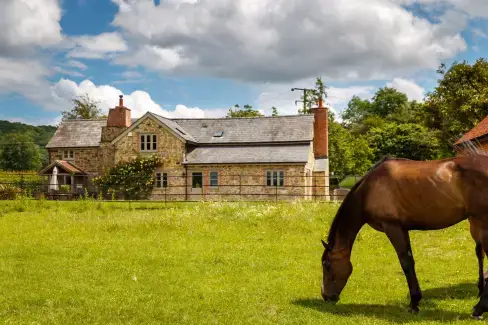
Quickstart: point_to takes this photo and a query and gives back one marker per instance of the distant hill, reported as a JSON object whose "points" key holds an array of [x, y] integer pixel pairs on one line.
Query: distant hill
{"points": [[39, 134]]}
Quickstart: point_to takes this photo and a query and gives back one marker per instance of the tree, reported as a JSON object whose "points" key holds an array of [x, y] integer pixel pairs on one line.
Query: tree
{"points": [[248, 111], [274, 111], [312, 96], [19, 153], [388, 101], [349, 154], [459, 102], [408, 140], [84, 108]]}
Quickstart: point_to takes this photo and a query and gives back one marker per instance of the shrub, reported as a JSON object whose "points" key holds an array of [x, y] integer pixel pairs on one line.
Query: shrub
{"points": [[133, 179], [8, 192]]}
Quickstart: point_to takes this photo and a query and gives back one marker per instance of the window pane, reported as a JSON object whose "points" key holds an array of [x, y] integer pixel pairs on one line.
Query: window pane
{"points": [[275, 178], [71, 154], [282, 179], [165, 180], [148, 146], [214, 179], [148, 138], [268, 178], [154, 143], [158, 180], [142, 142]]}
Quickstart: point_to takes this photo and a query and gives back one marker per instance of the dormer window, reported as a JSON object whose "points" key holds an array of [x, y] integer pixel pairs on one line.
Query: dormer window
{"points": [[219, 134], [149, 142]]}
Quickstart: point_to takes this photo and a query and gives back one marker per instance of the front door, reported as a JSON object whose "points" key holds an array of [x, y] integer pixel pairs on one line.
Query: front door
{"points": [[196, 186]]}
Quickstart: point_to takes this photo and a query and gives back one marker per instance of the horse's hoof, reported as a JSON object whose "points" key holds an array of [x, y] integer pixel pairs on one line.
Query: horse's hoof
{"points": [[476, 317], [413, 310]]}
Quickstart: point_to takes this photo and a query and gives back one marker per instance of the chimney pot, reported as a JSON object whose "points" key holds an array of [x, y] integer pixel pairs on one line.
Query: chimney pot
{"points": [[121, 100]]}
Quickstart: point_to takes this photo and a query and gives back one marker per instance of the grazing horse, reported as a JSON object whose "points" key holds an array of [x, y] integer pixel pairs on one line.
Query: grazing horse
{"points": [[399, 195]]}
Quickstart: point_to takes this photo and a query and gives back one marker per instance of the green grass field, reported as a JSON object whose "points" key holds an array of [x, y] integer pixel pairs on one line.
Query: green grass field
{"points": [[214, 263]]}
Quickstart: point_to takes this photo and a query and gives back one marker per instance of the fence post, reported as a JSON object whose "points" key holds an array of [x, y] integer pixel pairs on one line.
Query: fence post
{"points": [[22, 189], [276, 190]]}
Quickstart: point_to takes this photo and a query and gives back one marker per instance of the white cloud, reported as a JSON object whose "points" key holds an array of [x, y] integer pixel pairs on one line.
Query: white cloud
{"points": [[408, 87], [96, 47], [68, 72], [76, 64], [26, 27], [26, 24], [475, 8], [284, 40], [138, 101], [131, 75]]}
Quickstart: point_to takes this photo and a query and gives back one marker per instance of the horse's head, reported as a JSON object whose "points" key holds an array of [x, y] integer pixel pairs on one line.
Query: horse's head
{"points": [[336, 269]]}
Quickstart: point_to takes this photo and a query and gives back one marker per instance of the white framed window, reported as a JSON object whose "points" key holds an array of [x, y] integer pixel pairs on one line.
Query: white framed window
{"points": [[68, 155], [161, 180], [275, 178], [214, 179], [148, 142]]}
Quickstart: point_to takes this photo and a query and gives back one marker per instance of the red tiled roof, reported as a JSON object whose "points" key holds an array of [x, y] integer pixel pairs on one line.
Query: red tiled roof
{"points": [[66, 166], [478, 131]]}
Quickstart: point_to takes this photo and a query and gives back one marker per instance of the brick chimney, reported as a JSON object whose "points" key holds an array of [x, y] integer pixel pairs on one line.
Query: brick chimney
{"points": [[119, 116], [320, 131]]}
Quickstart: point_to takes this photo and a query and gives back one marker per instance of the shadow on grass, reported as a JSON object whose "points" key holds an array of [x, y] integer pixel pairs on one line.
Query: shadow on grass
{"points": [[388, 312], [458, 291]]}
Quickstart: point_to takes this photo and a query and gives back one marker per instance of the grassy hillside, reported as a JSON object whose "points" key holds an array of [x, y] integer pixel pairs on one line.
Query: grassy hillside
{"points": [[107, 263], [40, 135]]}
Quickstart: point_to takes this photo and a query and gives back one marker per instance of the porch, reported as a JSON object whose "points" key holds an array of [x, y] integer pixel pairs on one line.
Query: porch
{"points": [[63, 180]]}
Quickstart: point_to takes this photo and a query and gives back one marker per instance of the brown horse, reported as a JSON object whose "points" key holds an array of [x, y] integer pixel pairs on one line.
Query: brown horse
{"points": [[399, 195]]}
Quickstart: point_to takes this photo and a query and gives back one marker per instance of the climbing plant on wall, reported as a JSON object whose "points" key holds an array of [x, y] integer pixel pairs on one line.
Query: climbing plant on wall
{"points": [[132, 179]]}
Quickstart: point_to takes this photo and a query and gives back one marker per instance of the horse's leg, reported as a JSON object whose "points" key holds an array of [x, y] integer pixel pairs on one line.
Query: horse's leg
{"points": [[475, 230], [480, 254], [482, 305], [400, 240]]}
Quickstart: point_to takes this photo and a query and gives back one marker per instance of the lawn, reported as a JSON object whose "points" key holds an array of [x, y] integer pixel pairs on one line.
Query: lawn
{"points": [[214, 263]]}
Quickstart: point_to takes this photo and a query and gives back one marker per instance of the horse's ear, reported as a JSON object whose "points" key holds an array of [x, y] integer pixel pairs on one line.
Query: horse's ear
{"points": [[324, 243]]}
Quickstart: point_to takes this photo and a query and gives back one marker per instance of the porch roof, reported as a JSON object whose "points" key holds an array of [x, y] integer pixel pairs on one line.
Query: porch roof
{"points": [[64, 165]]}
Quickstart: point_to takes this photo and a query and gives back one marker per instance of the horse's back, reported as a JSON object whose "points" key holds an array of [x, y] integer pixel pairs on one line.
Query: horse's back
{"points": [[425, 194]]}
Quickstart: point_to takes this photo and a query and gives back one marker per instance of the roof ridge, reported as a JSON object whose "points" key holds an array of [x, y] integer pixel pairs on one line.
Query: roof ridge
{"points": [[84, 120], [237, 118]]}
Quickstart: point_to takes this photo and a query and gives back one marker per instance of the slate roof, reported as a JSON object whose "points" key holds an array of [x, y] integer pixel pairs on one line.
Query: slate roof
{"points": [[479, 130], [296, 128], [175, 128], [249, 154], [282, 129], [77, 133]]}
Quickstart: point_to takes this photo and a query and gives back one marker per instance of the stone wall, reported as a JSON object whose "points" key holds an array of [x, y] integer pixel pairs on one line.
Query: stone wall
{"points": [[248, 182], [87, 159], [109, 133], [169, 147]]}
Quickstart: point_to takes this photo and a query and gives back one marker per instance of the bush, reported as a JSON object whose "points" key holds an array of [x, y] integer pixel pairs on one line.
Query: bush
{"points": [[134, 180], [8, 192]]}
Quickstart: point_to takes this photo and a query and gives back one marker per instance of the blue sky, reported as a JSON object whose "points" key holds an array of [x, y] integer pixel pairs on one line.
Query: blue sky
{"points": [[197, 58]]}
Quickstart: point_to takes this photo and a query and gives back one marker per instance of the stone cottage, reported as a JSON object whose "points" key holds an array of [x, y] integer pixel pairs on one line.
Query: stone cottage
{"points": [[260, 158]]}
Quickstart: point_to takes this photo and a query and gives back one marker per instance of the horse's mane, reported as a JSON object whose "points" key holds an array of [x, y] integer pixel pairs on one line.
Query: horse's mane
{"points": [[339, 215]]}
